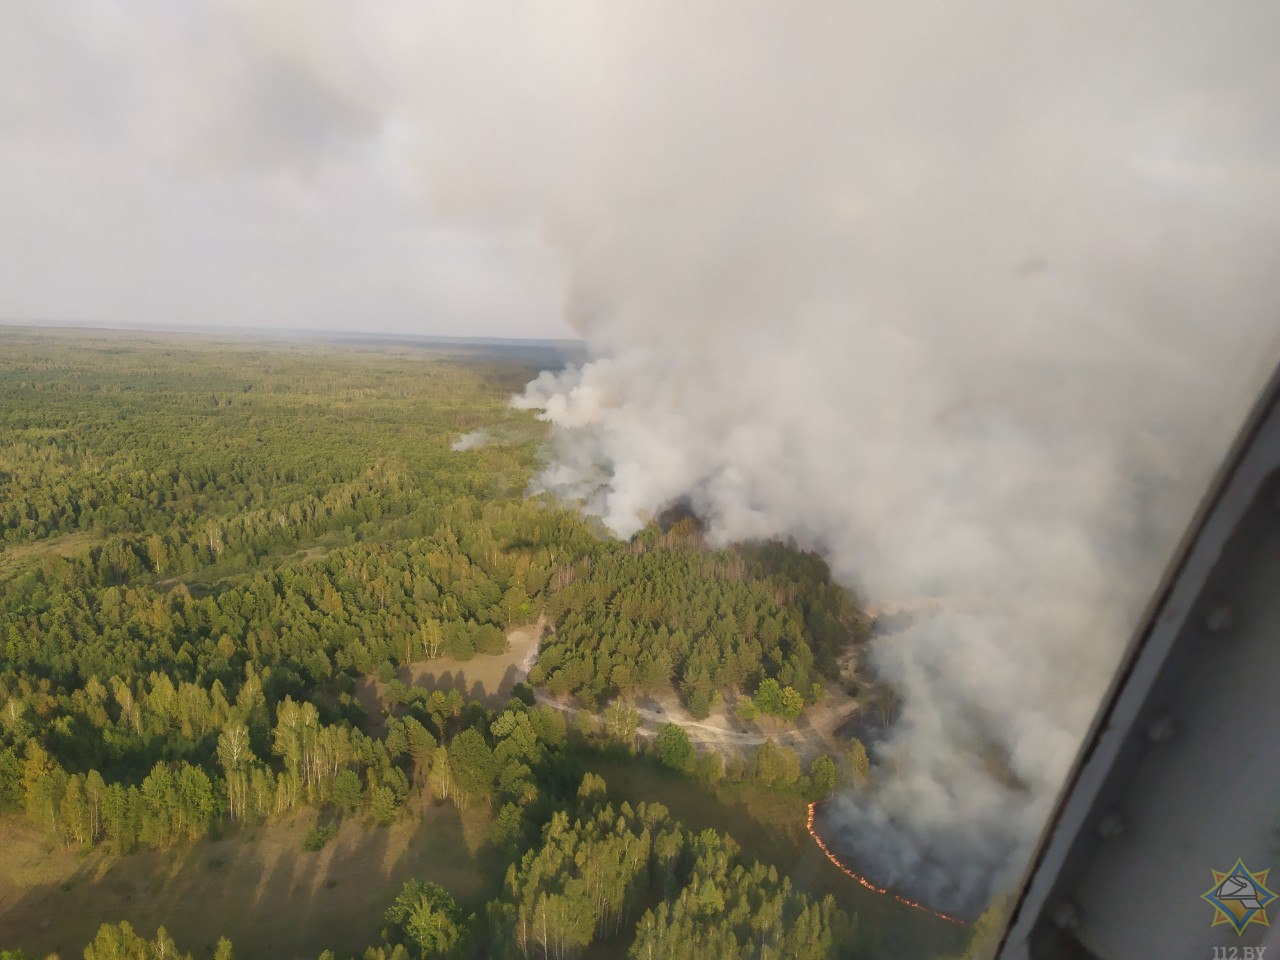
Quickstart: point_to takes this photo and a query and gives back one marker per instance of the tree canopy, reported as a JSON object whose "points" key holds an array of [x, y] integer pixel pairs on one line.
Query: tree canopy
{"points": [[211, 550]]}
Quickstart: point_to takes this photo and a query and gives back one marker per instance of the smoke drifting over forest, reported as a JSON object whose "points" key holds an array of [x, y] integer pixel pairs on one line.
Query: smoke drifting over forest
{"points": [[470, 441], [966, 303], [970, 297]]}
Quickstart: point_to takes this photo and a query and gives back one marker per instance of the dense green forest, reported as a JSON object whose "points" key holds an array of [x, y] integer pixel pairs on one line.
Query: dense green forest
{"points": [[208, 544], [634, 620]]}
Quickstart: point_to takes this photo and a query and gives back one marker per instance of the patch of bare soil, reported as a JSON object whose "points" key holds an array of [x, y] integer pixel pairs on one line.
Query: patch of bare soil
{"points": [[724, 730], [487, 678]]}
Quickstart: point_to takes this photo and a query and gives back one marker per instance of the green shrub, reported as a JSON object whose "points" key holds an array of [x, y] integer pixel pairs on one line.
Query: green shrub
{"points": [[317, 837]]}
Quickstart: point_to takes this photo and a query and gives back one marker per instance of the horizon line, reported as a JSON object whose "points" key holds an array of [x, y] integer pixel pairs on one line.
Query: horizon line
{"points": [[269, 331]]}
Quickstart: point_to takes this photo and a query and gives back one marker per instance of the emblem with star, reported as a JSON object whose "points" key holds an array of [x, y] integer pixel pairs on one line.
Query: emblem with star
{"points": [[1239, 897]]}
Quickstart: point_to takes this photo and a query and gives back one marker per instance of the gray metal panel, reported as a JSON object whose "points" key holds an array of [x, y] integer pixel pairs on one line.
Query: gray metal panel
{"points": [[1181, 772]]}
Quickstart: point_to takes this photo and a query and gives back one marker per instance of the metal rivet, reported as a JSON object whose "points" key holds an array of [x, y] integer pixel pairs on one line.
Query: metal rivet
{"points": [[1066, 916], [1161, 729], [1110, 826], [1221, 618]]}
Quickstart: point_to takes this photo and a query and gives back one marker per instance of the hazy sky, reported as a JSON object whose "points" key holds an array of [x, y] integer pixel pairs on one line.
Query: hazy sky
{"points": [[219, 164], [457, 167]]}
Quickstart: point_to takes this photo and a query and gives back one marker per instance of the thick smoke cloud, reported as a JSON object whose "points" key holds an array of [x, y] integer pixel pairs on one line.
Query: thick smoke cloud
{"points": [[968, 296], [970, 300]]}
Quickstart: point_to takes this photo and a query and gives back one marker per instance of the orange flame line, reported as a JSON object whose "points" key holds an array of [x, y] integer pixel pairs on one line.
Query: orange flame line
{"points": [[867, 883]]}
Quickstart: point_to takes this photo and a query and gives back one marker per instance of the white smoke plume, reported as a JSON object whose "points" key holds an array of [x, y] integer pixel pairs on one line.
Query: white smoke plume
{"points": [[473, 440], [970, 300], [970, 297], [1019, 505]]}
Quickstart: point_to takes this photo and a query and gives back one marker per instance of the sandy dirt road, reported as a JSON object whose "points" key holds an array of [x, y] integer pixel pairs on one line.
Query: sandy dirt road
{"points": [[813, 734]]}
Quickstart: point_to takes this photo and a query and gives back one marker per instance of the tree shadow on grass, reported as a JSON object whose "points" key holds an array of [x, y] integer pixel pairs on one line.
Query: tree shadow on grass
{"points": [[257, 886]]}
